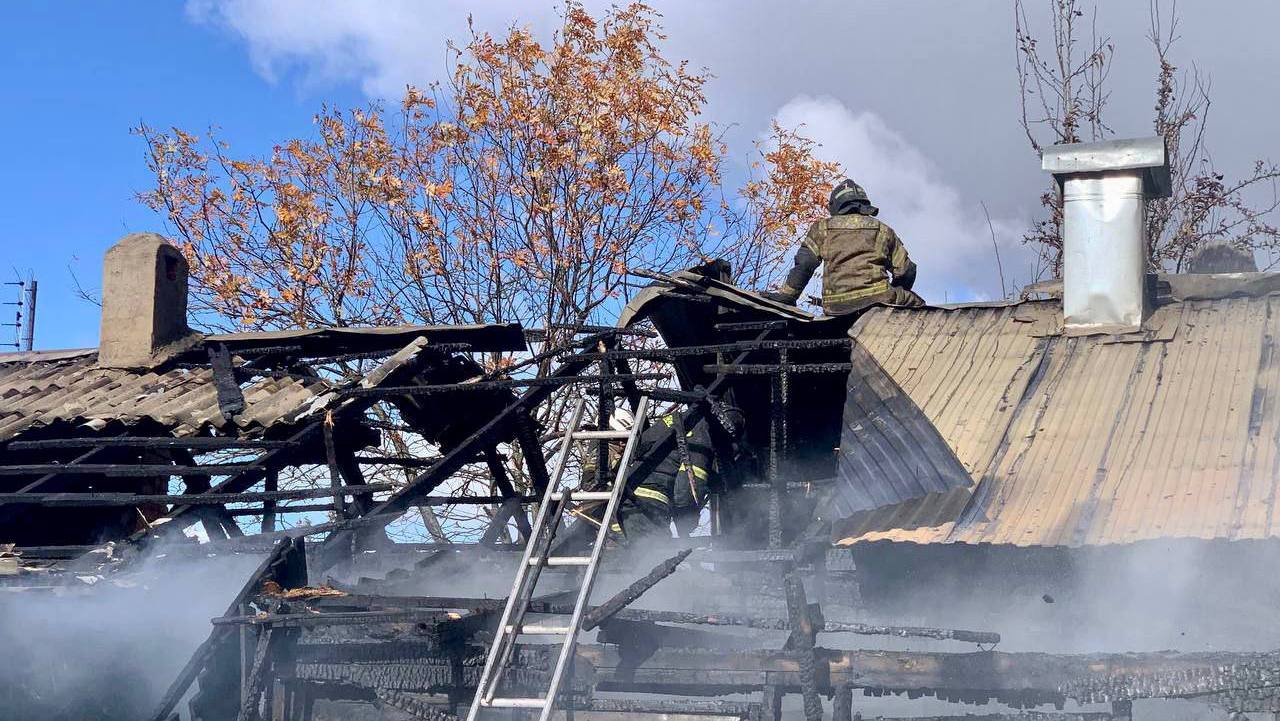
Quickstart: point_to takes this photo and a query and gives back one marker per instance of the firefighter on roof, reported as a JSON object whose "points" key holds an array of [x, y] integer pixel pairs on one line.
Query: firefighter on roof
{"points": [[865, 262]]}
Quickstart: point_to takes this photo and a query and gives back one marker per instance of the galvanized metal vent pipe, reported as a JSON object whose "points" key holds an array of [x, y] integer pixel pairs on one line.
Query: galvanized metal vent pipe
{"points": [[1104, 189]]}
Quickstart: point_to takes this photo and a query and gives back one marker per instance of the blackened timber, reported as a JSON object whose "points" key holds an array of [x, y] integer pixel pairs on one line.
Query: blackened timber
{"points": [[531, 451], [329, 342], [404, 362], [713, 348], [230, 397], [644, 635], [278, 510], [553, 381], [419, 604], [448, 464], [270, 484], [602, 330], [664, 395], [7, 513], [72, 498], [125, 469], [361, 501], [752, 325], [1020, 677], [630, 390], [334, 618], [335, 476], [842, 704], [257, 676], [159, 442], [772, 368], [655, 707], [436, 348], [633, 591], [512, 507], [780, 624], [801, 644]]}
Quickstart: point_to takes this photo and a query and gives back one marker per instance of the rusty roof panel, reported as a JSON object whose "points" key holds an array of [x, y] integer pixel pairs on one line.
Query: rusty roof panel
{"points": [[1089, 440]]}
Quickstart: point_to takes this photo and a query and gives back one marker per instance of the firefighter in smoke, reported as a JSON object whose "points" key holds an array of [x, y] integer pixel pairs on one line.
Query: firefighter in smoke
{"points": [[674, 465], [865, 262], [671, 470]]}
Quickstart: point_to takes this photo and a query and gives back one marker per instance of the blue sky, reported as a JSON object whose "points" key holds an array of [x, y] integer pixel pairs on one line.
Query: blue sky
{"points": [[921, 109], [73, 84], [81, 78]]}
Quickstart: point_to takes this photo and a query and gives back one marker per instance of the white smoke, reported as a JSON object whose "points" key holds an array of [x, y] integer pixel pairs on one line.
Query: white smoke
{"points": [[946, 233], [110, 649]]}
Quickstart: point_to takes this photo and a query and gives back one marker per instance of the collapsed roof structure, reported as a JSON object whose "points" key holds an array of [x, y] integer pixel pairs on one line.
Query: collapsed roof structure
{"points": [[875, 447]]}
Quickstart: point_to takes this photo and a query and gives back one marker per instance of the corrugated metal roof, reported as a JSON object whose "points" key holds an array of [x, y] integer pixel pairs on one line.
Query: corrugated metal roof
{"points": [[1089, 440], [889, 451], [76, 390]]}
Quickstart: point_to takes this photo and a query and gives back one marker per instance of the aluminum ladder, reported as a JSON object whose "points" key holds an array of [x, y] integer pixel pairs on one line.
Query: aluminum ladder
{"points": [[556, 503]]}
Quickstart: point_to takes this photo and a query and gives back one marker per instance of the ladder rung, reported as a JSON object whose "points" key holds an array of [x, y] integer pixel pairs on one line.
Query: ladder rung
{"points": [[516, 702], [584, 495], [601, 435], [535, 629], [561, 561]]}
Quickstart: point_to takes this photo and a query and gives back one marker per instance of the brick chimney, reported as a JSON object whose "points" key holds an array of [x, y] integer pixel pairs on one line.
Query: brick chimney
{"points": [[144, 301]]}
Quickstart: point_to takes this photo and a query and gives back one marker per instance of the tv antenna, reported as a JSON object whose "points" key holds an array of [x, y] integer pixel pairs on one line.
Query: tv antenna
{"points": [[24, 315]]}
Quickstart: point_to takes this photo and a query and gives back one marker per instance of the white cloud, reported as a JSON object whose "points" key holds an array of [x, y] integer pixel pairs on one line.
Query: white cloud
{"points": [[381, 45], [945, 232]]}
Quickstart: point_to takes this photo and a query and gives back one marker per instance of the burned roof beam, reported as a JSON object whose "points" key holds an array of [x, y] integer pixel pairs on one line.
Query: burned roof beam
{"points": [[158, 442], [772, 368], [7, 513], [696, 350], [540, 333], [628, 595], [230, 397], [448, 464], [72, 498], [531, 451], [409, 607], [126, 469], [658, 707], [507, 337], [553, 381], [404, 361], [511, 508]]}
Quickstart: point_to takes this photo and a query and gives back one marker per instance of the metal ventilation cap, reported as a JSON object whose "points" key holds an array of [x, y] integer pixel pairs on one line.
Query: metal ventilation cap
{"points": [[1146, 154]]}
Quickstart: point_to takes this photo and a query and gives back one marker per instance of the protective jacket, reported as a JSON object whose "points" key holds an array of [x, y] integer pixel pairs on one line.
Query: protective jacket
{"points": [[859, 253], [673, 487]]}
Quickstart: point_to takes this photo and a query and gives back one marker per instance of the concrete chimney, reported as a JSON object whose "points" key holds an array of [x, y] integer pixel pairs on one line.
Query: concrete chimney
{"points": [[1104, 190], [144, 301]]}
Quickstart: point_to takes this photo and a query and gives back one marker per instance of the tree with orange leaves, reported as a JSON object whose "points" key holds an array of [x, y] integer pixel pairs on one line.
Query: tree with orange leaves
{"points": [[524, 188]]}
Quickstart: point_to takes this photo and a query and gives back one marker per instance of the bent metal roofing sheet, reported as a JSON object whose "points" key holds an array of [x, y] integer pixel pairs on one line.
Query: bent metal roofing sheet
{"points": [[1070, 441]]}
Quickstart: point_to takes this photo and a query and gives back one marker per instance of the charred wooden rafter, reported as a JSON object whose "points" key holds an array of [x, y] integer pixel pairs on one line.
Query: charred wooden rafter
{"points": [[507, 383]]}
